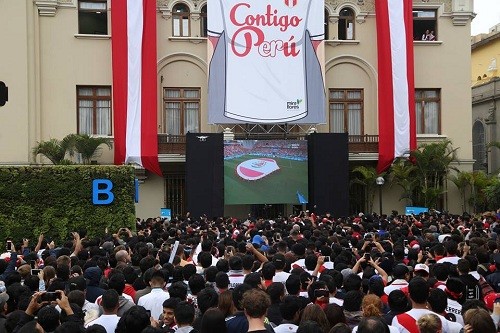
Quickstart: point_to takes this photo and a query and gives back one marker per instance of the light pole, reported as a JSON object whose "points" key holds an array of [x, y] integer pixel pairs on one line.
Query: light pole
{"points": [[380, 182]]}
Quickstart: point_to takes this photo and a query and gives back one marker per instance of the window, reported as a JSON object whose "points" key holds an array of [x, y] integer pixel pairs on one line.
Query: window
{"points": [[346, 111], [425, 24], [182, 110], [92, 17], [427, 111], [204, 22], [346, 24], [180, 19], [94, 110], [479, 147], [327, 22]]}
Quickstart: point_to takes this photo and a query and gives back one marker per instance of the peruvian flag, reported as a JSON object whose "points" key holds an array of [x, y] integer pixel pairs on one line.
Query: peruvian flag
{"points": [[133, 41], [396, 87]]}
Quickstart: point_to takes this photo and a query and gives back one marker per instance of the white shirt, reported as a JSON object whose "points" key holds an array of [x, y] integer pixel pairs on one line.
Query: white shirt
{"points": [[448, 326], [286, 328], [335, 300], [454, 308], [395, 285], [271, 62], [108, 321], [454, 260], [154, 301], [281, 277]]}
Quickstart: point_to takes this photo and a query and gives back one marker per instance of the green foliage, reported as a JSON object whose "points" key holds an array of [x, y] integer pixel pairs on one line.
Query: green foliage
{"points": [[56, 200], [402, 175], [479, 191], [55, 150], [88, 146], [422, 177], [366, 176]]}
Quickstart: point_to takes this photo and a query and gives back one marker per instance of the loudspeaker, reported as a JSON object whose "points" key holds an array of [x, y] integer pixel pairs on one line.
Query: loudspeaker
{"points": [[205, 174], [328, 173]]}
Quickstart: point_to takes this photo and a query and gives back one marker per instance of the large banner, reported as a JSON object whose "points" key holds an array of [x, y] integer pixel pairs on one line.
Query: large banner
{"points": [[266, 61], [396, 83]]}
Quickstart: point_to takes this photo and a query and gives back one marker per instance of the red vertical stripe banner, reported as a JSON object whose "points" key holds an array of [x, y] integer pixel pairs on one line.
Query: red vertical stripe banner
{"points": [[396, 106], [134, 57]]}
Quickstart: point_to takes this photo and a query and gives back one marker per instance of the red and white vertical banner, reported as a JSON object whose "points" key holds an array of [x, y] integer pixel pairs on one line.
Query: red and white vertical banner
{"points": [[396, 87], [133, 41]]}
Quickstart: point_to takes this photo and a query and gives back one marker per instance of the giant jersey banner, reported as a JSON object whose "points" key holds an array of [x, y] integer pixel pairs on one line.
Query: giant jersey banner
{"points": [[266, 61]]}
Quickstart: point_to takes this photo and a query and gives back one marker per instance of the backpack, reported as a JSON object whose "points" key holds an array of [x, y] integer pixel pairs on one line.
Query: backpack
{"points": [[472, 292]]}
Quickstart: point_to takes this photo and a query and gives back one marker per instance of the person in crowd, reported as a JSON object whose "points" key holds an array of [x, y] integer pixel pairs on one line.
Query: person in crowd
{"points": [[419, 293], [429, 323], [154, 300], [213, 321], [184, 317], [255, 304], [110, 304]]}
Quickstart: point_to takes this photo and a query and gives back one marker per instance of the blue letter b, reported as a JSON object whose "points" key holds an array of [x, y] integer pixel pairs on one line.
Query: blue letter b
{"points": [[104, 190]]}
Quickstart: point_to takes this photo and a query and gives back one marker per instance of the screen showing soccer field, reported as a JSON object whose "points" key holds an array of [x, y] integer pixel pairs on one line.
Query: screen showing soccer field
{"points": [[265, 172]]}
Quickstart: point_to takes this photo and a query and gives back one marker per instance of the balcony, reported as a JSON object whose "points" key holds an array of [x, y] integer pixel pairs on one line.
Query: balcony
{"points": [[176, 144]]}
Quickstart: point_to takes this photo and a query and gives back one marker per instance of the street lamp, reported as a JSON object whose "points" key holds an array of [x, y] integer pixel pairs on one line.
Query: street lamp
{"points": [[380, 182]]}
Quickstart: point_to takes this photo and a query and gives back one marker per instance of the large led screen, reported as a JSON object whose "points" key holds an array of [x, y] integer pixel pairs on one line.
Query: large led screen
{"points": [[265, 172]]}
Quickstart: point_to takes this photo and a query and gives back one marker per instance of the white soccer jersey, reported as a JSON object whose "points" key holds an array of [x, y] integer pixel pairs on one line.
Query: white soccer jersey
{"points": [[264, 62]]}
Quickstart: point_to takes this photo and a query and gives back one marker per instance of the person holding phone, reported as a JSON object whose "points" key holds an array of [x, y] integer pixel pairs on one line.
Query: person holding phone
{"points": [[11, 266]]}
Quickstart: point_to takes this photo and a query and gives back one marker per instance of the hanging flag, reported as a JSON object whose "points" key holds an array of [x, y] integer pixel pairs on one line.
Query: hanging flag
{"points": [[300, 197], [396, 88], [133, 42]]}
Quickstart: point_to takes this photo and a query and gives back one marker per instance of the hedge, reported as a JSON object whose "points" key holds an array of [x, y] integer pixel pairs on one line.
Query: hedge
{"points": [[55, 200]]}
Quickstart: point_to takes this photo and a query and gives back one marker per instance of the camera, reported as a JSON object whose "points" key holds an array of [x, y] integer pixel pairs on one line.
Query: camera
{"points": [[35, 271]]}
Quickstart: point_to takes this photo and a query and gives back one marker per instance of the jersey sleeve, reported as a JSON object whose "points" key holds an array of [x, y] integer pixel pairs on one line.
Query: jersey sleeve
{"points": [[315, 25], [216, 18]]}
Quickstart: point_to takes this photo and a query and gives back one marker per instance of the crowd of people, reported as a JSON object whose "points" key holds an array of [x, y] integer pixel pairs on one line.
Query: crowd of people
{"points": [[434, 272], [294, 150]]}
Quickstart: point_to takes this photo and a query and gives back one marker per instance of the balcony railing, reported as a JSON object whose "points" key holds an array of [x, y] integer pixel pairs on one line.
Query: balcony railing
{"points": [[176, 144]]}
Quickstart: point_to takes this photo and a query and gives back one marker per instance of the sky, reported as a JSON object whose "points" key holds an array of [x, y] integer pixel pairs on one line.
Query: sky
{"points": [[488, 15]]}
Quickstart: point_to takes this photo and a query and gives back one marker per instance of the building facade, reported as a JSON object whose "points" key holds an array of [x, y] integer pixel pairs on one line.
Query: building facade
{"points": [[485, 51], [56, 60]]}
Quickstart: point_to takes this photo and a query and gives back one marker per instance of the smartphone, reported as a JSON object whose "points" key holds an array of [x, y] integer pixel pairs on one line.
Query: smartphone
{"points": [[50, 297], [32, 264], [406, 242], [35, 271], [367, 256], [9, 245], [327, 258]]}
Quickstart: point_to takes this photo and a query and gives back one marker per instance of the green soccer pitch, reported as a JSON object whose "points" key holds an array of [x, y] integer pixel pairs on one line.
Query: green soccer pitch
{"points": [[279, 187]]}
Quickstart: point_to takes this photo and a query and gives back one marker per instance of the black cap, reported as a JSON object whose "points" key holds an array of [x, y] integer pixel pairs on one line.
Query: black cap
{"points": [[400, 270]]}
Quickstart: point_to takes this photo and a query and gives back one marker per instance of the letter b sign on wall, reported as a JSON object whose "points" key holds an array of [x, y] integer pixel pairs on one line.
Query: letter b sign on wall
{"points": [[101, 192]]}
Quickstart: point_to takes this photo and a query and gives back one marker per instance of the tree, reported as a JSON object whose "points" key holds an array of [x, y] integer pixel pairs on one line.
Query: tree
{"points": [[55, 150], [402, 174], [88, 146], [432, 162], [366, 177], [84, 144], [462, 181]]}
